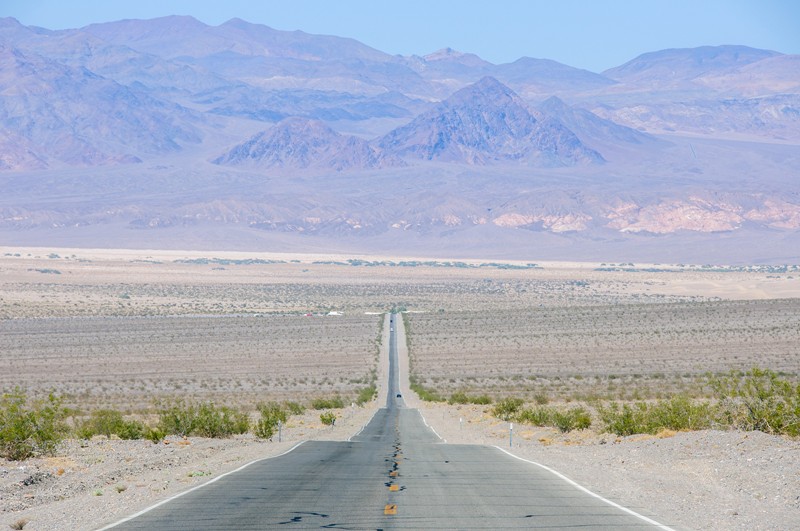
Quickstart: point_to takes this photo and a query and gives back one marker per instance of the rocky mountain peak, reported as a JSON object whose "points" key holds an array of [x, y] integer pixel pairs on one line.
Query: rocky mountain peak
{"points": [[483, 123], [301, 143]]}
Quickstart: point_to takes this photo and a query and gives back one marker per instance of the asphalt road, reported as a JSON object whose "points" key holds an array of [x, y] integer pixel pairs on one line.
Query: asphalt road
{"points": [[394, 474]]}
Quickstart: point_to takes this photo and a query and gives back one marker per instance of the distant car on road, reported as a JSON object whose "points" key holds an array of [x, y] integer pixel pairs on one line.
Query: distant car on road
{"points": [[399, 395]]}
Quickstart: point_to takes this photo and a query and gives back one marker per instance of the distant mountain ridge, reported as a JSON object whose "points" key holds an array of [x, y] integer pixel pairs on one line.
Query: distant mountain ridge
{"points": [[72, 116], [481, 124], [168, 131]]}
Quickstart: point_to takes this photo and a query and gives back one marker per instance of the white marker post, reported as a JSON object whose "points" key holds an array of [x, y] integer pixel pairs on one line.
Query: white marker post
{"points": [[510, 434], [279, 431], [460, 423]]}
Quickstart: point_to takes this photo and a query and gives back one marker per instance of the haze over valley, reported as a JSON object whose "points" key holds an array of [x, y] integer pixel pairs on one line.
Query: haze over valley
{"points": [[170, 133]]}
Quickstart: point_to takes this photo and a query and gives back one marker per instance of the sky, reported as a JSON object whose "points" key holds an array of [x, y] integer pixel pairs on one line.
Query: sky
{"points": [[590, 34]]}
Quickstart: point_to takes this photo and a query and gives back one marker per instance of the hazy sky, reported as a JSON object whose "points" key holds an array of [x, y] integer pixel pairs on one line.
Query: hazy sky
{"points": [[591, 34]]}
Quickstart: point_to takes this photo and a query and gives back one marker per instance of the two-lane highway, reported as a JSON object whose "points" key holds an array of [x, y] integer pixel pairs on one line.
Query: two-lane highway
{"points": [[394, 474]]}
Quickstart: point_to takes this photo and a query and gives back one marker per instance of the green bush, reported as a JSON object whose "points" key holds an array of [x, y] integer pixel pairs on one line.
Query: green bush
{"points": [[678, 413], [271, 414], [327, 403], [625, 420], [294, 408], [216, 422], [366, 394], [205, 420], [460, 397], [109, 422], [537, 416], [507, 408], [541, 398], [566, 420], [759, 400], [155, 435], [328, 418], [481, 400], [28, 429], [576, 418], [178, 418], [428, 395]]}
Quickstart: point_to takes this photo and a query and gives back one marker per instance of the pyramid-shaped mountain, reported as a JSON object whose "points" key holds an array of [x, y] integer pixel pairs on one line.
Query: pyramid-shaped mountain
{"points": [[300, 143], [487, 123]]}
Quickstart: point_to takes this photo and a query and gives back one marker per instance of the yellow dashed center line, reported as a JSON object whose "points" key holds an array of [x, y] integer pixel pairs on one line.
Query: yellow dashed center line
{"points": [[394, 488], [390, 509]]}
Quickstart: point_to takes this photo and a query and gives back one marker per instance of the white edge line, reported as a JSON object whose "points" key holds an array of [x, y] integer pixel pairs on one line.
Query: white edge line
{"points": [[587, 491], [429, 426], [162, 502]]}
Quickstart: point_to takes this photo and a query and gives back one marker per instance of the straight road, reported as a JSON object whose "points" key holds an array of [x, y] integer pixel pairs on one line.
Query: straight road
{"points": [[394, 474]]}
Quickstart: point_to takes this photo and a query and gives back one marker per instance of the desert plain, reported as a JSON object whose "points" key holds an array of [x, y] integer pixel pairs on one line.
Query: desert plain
{"points": [[123, 329], [120, 328]]}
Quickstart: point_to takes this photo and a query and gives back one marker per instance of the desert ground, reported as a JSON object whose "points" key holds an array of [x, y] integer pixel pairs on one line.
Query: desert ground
{"points": [[122, 329]]}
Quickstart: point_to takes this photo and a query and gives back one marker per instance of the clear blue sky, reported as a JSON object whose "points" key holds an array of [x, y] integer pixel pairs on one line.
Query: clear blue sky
{"points": [[591, 34]]}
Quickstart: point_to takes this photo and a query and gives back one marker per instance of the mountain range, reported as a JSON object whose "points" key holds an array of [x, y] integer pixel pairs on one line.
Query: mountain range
{"points": [[170, 132]]}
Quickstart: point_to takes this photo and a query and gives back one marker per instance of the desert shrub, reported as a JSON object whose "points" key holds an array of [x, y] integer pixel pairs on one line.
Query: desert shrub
{"points": [[294, 408], [28, 429], [426, 394], [507, 408], [328, 418], [155, 435], [625, 420], [566, 420], [482, 400], [177, 418], [110, 422], [274, 410], [205, 420], [213, 421], [576, 418], [460, 397], [541, 398], [264, 428], [271, 414], [335, 402], [759, 400], [537, 416], [678, 413], [366, 394]]}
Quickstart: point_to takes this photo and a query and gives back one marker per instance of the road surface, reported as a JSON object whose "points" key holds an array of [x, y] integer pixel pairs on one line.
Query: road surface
{"points": [[395, 474]]}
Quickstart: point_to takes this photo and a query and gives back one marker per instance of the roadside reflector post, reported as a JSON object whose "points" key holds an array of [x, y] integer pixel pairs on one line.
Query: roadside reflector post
{"points": [[510, 434], [279, 431], [460, 423]]}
